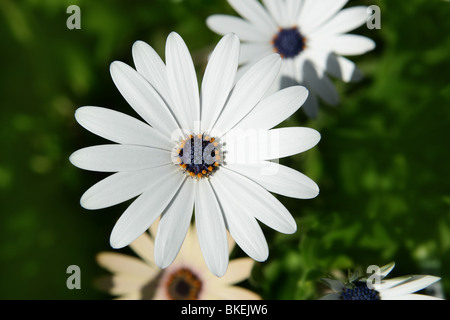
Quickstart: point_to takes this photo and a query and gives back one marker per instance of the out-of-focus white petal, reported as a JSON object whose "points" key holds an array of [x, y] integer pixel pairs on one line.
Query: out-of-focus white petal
{"points": [[254, 12], [254, 51], [315, 13], [317, 81], [350, 44], [278, 11], [223, 24], [238, 270], [343, 22], [293, 10], [335, 65], [121, 263], [143, 246], [311, 105]]}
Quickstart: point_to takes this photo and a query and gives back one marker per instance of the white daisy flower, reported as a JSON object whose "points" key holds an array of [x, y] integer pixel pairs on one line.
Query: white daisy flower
{"points": [[400, 288], [188, 278], [209, 151], [310, 35]]}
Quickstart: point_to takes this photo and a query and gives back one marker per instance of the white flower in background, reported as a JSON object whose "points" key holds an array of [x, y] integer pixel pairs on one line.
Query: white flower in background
{"points": [[400, 288], [187, 278], [209, 151], [310, 35]]}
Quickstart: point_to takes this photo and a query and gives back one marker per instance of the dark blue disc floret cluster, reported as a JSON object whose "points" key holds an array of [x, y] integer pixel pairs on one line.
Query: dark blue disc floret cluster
{"points": [[288, 42], [360, 291], [198, 156]]}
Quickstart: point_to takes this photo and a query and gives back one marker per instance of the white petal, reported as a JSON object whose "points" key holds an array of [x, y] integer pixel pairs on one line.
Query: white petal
{"points": [[140, 215], [254, 51], [182, 82], [121, 128], [223, 24], [278, 11], [211, 230], [120, 187], [412, 297], [279, 179], [254, 12], [350, 44], [274, 109], [241, 224], [143, 98], [389, 283], [119, 157], [254, 198], [247, 92], [174, 225], [415, 284], [149, 64], [219, 78], [315, 13], [386, 269], [345, 21], [319, 82], [283, 142]]}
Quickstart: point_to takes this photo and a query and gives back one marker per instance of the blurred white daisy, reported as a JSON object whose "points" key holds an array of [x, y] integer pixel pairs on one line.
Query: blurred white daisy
{"points": [[310, 35], [210, 151], [400, 288], [187, 278]]}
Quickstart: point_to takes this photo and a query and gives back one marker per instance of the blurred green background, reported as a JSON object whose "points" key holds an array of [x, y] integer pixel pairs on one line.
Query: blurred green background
{"points": [[382, 164]]}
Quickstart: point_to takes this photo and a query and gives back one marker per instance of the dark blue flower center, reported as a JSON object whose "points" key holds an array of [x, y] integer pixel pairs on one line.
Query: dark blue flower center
{"points": [[288, 42], [198, 156], [360, 291]]}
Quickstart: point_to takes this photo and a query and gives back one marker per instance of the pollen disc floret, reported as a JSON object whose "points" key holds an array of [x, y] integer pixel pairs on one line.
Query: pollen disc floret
{"points": [[198, 155], [359, 291], [183, 284], [289, 42]]}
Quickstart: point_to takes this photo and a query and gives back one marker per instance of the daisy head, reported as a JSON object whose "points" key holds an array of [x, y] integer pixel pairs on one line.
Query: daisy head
{"points": [[188, 278], [376, 287], [212, 150], [310, 35]]}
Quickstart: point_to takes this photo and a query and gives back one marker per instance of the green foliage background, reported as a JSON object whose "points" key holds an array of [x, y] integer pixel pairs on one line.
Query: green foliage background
{"points": [[382, 164]]}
